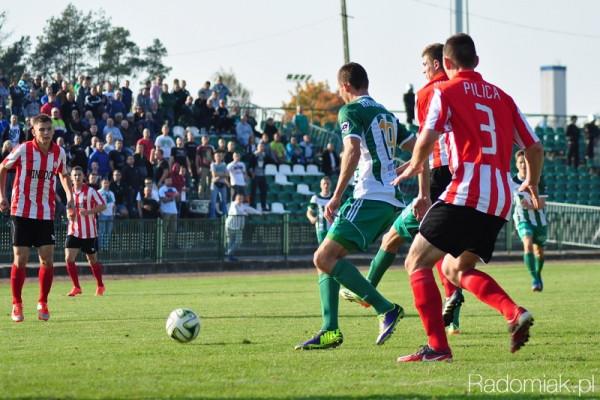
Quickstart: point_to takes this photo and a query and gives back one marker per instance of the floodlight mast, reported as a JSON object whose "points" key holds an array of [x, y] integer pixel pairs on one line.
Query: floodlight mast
{"points": [[345, 33]]}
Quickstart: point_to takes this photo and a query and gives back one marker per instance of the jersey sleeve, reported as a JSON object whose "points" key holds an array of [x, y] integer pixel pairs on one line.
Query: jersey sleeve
{"points": [[14, 156], [62, 162], [349, 123], [438, 112], [524, 136], [312, 204], [97, 200]]}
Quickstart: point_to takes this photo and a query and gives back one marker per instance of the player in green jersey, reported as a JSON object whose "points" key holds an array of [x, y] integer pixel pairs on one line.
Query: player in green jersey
{"points": [[370, 136], [316, 209], [531, 226]]}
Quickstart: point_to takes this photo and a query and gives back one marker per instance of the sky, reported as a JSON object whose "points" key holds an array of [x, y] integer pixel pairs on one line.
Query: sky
{"points": [[262, 41]]}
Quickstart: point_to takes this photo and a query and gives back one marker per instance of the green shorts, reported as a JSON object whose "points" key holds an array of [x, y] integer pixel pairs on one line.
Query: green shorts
{"points": [[406, 224], [360, 222], [321, 235], [537, 233]]}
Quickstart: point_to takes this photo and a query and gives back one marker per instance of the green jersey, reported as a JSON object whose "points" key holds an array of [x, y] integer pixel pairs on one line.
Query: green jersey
{"points": [[521, 214], [317, 206], [379, 134]]}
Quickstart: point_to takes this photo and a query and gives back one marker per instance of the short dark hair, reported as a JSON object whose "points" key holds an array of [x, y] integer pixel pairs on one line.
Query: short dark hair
{"points": [[460, 48], [41, 118], [354, 74], [77, 168], [434, 51], [520, 153]]}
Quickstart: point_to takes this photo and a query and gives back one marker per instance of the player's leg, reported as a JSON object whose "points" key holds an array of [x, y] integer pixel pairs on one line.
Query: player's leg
{"points": [[419, 264], [525, 232], [46, 276], [17, 280], [538, 251], [91, 253], [71, 253]]}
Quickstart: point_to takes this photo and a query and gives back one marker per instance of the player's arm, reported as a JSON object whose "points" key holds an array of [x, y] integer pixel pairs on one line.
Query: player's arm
{"points": [[349, 161], [3, 201], [311, 214], [423, 147]]}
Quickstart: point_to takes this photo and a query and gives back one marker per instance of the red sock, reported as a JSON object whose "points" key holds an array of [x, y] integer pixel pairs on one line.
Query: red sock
{"points": [[449, 287], [97, 272], [17, 280], [45, 276], [486, 289], [429, 305], [72, 271]]}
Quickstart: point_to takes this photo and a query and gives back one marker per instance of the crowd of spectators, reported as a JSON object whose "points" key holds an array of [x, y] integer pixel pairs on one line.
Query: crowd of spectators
{"points": [[126, 144]]}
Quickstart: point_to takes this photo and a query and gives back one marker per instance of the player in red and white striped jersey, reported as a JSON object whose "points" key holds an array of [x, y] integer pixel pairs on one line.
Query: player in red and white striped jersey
{"points": [[482, 123], [82, 232], [37, 163]]}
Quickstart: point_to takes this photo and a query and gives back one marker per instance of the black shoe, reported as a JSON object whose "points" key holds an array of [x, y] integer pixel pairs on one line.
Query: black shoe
{"points": [[452, 303]]}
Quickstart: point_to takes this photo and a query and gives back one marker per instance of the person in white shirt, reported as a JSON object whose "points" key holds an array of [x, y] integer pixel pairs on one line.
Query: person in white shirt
{"points": [[107, 216], [234, 224], [165, 142], [168, 209], [237, 175]]}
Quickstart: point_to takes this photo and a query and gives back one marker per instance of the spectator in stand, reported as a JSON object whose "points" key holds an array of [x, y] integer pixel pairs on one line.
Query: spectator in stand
{"points": [[330, 164], [223, 122], [106, 217], [179, 94], [75, 125], [278, 150], [251, 147], [293, 151], [14, 132], [100, 157], [218, 188], [308, 150], [133, 178], [270, 128], [237, 175], [116, 105], [61, 94], [591, 133], [234, 224], [205, 92], [47, 107], [112, 129], [77, 154], [47, 93], [186, 117], [31, 105], [229, 153], [266, 141], [190, 147], [167, 103], [110, 143], [180, 178], [243, 131], [5, 94], [204, 156], [143, 100], [221, 146], [17, 98], [165, 142], [573, 135], [102, 122], [168, 210], [93, 103], [202, 115], [178, 154], [117, 157], [83, 91], [146, 141], [122, 195], [60, 129], [67, 107], [129, 134], [300, 122], [257, 173], [213, 102], [221, 90], [156, 89], [141, 162], [149, 207], [409, 104], [148, 183], [127, 96], [94, 180], [93, 133], [160, 167]]}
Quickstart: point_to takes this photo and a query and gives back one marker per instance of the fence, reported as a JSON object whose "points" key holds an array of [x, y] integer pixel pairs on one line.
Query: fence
{"points": [[278, 236]]}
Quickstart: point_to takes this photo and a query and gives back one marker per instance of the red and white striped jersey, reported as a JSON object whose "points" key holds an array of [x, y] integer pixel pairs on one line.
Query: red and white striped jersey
{"points": [[84, 227], [439, 156], [482, 123], [33, 194]]}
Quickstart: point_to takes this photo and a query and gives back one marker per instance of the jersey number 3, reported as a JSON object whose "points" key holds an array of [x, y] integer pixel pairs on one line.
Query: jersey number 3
{"points": [[490, 128]]}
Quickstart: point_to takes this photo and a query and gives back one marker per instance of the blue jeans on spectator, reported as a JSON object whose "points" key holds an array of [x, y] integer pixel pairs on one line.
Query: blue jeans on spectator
{"points": [[105, 227], [216, 192]]}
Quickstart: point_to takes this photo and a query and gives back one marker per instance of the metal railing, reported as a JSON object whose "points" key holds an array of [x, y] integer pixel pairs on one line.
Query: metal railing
{"points": [[277, 236]]}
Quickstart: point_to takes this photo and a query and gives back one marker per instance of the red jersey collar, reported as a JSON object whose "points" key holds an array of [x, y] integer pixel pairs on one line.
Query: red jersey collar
{"points": [[50, 149], [469, 74], [439, 77]]}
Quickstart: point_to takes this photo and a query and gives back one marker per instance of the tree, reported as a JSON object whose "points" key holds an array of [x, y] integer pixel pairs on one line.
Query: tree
{"points": [[63, 44], [318, 101], [239, 93], [12, 57], [119, 57], [152, 62], [99, 28]]}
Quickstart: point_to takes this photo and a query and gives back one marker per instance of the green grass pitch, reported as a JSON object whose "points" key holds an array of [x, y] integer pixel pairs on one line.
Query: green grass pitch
{"points": [[115, 347]]}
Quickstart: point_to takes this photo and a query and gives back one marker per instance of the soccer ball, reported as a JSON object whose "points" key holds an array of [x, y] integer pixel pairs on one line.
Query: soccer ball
{"points": [[183, 325]]}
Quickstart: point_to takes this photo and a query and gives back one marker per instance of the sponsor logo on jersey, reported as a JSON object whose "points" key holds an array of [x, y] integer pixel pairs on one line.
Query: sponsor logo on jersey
{"points": [[345, 127], [38, 174]]}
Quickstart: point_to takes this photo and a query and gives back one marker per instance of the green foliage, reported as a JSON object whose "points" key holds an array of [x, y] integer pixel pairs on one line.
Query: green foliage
{"points": [[239, 93], [120, 56], [116, 347], [152, 62]]}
